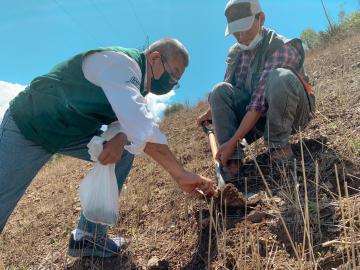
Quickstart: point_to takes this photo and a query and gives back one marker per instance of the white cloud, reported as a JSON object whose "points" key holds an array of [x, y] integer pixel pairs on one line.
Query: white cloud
{"points": [[7, 92], [157, 104]]}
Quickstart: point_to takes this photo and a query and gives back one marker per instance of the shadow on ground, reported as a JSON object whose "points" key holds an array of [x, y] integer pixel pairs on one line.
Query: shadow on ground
{"points": [[286, 182], [123, 262]]}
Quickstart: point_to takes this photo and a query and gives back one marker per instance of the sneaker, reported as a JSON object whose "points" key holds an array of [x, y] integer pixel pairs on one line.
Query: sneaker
{"points": [[101, 247], [282, 154]]}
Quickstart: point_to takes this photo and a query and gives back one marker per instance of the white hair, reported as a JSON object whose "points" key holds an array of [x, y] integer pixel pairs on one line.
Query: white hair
{"points": [[170, 48]]}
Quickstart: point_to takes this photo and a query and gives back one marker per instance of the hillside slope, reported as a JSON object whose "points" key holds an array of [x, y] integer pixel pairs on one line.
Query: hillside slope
{"points": [[163, 224]]}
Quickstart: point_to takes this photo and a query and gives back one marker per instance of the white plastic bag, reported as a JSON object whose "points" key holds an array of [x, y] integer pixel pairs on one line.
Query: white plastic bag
{"points": [[99, 196]]}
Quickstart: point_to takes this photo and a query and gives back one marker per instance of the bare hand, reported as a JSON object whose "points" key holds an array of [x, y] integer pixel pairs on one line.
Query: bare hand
{"points": [[203, 118], [192, 183], [113, 150], [196, 185], [225, 152]]}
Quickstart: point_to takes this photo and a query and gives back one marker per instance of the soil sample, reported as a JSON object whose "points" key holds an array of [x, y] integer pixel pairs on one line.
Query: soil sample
{"points": [[234, 198]]}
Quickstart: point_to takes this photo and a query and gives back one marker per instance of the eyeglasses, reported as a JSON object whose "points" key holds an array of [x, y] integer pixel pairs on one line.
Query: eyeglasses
{"points": [[173, 80]]}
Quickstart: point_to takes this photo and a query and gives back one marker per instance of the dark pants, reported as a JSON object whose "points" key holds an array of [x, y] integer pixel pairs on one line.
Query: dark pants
{"points": [[288, 110]]}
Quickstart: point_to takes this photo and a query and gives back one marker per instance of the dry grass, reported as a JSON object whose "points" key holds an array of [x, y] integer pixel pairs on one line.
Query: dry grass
{"points": [[255, 252]]}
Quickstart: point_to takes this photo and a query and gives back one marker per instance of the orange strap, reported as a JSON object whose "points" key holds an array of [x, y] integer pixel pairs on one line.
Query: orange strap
{"points": [[306, 85], [301, 78]]}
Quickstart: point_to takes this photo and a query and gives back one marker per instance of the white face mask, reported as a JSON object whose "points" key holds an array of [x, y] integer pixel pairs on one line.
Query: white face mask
{"points": [[252, 45]]}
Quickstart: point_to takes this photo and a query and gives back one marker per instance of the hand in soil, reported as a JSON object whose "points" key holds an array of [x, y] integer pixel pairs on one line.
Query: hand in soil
{"points": [[196, 185]]}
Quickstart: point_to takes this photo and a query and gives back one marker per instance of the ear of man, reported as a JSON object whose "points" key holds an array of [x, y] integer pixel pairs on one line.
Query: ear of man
{"points": [[262, 18], [153, 56]]}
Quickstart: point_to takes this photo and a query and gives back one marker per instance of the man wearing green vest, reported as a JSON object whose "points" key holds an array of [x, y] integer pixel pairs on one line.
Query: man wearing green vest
{"points": [[61, 111], [264, 92]]}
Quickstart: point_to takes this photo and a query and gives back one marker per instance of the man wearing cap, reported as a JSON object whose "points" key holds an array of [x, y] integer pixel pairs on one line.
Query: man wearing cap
{"points": [[61, 111], [264, 92]]}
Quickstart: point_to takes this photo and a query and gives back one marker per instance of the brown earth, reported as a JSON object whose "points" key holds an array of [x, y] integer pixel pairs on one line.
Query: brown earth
{"points": [[169, 230]]}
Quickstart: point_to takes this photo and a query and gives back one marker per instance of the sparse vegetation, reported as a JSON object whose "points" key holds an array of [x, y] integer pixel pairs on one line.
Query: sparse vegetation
{"points": [[177, 107], [56, 157], [357, 146], [347, 25]]}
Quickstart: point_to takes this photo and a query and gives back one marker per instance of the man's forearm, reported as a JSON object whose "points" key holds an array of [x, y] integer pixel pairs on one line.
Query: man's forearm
{"points": [[247, 124], [162, 154]]}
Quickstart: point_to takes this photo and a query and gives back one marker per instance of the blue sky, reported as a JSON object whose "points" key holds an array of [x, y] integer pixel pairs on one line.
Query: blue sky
{"points": [[37, 34]]}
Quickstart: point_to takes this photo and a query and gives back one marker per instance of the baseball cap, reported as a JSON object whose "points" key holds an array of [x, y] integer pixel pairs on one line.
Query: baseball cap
{"points": [[240, 15]]}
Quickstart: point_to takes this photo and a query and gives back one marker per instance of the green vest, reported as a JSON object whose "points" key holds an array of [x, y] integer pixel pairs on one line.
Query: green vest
{"points": [[62, 106], [270, 43]]}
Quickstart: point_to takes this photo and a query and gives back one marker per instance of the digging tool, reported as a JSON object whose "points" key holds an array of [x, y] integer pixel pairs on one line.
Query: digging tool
{"points": [[229, 191], [214, 148]]}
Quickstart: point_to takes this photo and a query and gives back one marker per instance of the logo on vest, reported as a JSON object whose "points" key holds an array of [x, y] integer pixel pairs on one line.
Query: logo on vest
{"points": [[133, 80]]}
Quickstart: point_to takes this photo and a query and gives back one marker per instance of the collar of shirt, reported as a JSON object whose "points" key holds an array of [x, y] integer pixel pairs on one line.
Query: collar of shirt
{"points": [[145, 77]]}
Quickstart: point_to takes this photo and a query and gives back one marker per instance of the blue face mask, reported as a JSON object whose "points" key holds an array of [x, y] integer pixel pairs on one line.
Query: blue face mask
{"points": [[163, 85]]}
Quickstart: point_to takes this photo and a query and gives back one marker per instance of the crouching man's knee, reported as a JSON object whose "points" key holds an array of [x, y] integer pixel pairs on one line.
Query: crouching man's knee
{"points": [[221, 92], [280, 82]]}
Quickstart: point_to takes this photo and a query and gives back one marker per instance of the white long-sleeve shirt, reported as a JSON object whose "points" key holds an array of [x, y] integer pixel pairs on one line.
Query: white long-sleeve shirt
{"points": [[120, 76]]}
